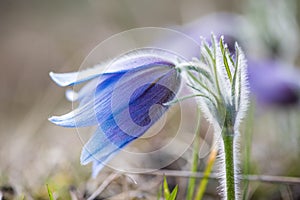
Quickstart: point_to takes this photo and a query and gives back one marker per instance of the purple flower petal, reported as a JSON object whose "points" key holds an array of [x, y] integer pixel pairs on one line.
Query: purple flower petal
{"points": [[124, 104], [274, 82], [122, 64]]}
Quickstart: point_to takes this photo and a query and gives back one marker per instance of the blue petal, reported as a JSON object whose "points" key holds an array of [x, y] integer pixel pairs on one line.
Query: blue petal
{"points": [[141, 59], [68, 79], [98, 149], [85, 114], [80, 117], [88, 91], [117, 127], [126, 101], [134, 113], [71, 95], [97, 167]]}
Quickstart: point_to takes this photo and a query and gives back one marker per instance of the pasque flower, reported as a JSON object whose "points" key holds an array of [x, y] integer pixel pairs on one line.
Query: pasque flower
{"points": [[220, 81], [136, 89], [123, 101], [274, 82]]}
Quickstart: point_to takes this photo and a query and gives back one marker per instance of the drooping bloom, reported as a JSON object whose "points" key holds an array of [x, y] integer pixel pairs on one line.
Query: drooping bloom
{"points": [[123, 101]]}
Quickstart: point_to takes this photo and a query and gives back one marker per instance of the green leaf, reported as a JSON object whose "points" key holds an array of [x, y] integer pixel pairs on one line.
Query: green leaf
{"points": [[201, 71], [202, 85], [50, 193], [230, 58], [159, 193], [166, 188], [214, 46], [203, 184], [223, 50], [184, 98], [209, 52], [233, 85], [173, 195], [167, 194]]}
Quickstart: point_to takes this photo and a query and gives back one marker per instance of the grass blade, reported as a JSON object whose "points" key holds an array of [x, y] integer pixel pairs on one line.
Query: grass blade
{"points": [[173, 195], [166, 188], [50, 193], [207, 172]]}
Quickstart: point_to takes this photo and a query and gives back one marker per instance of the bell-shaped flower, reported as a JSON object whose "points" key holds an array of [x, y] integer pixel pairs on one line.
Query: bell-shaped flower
{"points": [[123, 101]]}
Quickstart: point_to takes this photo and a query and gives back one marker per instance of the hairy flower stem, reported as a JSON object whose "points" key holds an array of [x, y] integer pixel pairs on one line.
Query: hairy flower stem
{"points": [[228, 140]]}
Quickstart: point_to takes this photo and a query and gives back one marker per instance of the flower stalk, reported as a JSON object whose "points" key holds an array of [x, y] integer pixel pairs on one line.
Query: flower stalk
{"points": [[228, 141], [219, 80]]}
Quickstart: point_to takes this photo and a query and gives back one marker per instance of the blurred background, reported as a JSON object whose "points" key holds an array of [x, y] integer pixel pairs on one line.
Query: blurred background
{"points": [[37, 37]]}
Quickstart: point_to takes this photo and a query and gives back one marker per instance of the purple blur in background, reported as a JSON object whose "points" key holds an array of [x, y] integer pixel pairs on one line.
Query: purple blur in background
{"points": [[273, 82]]}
